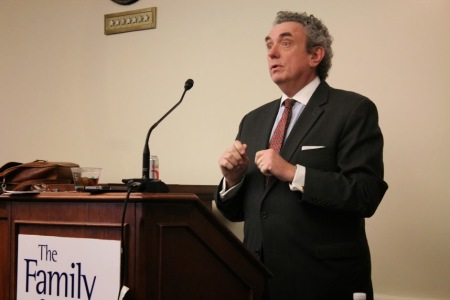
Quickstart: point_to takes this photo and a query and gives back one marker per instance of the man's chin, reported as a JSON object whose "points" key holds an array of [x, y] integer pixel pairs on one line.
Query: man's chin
{"points": [[277, 79], [276, 76]]}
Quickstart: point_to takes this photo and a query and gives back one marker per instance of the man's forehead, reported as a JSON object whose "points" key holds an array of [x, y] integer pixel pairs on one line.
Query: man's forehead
{"points": [[284, 29], [281, 35]]}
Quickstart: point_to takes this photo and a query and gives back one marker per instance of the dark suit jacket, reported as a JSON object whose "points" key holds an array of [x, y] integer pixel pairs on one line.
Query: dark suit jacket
{"points": [[314, 242]]}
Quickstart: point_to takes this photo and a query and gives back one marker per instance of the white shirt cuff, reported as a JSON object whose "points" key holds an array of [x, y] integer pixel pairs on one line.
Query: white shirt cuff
{"points": [[226, 194], [299, 179]]}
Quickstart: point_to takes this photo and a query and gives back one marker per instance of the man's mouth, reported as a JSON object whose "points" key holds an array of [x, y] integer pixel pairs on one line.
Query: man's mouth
{"points": [[275, 68]]}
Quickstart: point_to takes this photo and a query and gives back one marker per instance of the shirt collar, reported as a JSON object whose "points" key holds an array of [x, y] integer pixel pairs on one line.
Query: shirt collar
{"points": [[305, 93]]}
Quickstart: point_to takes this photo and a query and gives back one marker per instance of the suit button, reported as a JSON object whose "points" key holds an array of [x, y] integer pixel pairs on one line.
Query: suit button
{"points": [[263, 215], [258, 252]]}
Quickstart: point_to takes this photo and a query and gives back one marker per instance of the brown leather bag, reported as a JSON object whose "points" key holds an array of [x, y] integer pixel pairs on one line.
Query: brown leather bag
{"points": [[16, 176]]}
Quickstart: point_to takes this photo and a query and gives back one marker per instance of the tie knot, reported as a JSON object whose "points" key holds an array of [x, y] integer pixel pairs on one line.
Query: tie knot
{"points": [[288, 103]]}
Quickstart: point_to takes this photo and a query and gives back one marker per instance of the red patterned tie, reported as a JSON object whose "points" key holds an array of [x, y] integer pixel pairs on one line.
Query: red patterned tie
{"points": [[280, 131]]}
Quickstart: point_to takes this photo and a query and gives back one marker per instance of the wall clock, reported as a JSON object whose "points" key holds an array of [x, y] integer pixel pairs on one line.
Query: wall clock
{"points": [[124, 2]]}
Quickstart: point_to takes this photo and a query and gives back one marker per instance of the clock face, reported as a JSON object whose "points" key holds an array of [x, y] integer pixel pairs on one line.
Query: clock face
{"points": [[124, 2]]}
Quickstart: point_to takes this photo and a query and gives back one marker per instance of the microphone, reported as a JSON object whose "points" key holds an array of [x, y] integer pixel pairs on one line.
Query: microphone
{"points": [[147, 184]]}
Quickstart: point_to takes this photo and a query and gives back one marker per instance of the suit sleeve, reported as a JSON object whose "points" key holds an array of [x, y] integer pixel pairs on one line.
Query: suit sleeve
{"points": [[356, 185], [232, 208]]}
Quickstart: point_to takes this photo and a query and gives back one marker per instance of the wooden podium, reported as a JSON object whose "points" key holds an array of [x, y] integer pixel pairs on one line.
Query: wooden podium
{"points": [[176, 248]]}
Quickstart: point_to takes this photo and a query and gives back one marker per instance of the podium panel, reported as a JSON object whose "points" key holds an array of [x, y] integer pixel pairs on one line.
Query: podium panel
{"points": [[175, 248], [203, 280], [4, 251]]}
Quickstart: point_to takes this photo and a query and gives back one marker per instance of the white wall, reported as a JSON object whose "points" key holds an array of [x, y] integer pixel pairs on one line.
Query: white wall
{"points": [[70, 93]]}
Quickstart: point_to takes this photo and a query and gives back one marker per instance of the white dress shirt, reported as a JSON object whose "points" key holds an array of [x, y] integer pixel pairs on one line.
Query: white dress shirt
{"points": [[301, 98]]}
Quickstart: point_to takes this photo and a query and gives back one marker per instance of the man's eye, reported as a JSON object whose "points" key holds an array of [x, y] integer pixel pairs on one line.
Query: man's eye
{"points": [[285, 43], [269, 46]]}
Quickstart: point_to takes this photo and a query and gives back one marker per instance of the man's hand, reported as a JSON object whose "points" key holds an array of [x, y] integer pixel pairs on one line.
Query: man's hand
{"points": [[269, 162], [234, 163]]}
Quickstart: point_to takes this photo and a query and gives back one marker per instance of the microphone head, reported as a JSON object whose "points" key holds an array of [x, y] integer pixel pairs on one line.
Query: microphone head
{"points": [[188, 84]]}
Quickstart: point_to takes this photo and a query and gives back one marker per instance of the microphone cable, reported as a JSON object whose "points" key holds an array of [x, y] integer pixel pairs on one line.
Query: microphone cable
{"points": [[123, 251]]}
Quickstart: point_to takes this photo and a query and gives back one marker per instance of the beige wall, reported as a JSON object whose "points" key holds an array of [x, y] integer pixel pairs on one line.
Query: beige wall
{"points": [[70, 93]]}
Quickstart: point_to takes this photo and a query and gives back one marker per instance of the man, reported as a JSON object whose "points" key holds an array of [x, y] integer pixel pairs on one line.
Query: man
{"points": [[304, 206]]}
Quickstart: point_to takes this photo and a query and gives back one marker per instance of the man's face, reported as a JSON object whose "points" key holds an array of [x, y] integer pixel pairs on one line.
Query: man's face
{"points": [[289, 63]]}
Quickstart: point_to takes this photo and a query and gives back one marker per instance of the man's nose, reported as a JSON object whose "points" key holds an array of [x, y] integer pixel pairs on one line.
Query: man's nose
{"points": [[273, 51]]}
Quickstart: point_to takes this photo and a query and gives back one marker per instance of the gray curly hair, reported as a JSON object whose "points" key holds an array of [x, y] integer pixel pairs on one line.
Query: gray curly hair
{"points": [[317, 35]]}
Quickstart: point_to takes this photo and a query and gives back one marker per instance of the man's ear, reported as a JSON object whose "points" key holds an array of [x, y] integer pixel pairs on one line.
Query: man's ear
{"points": [[316, 56]]}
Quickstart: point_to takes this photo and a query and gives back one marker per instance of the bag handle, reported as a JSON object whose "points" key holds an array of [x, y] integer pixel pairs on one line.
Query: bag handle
{"points": [[7, 166]]}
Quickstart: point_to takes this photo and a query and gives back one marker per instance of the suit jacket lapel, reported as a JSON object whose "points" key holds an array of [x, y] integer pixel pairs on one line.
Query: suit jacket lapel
{"points": [[307, 119], [266, 123]]}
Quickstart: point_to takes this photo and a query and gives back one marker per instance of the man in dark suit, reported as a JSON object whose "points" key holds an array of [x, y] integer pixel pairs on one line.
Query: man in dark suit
{"points": [[304, 207]]}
